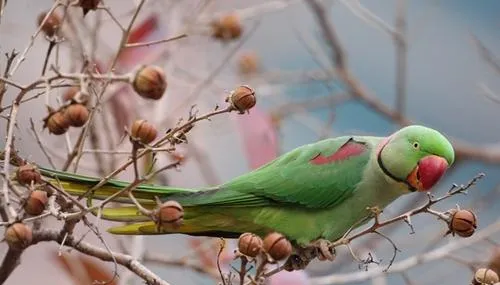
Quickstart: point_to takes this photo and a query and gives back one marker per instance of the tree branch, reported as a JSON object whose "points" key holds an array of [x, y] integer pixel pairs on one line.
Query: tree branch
{"points": [[125, 260]]}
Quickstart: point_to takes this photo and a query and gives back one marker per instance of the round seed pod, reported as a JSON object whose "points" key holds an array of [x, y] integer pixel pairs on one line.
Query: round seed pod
{"points": [[26, 174], [170, 214], [463, 223], [248, 63], [18, 236], [36, 203], [144, 131], [242, 98], [51, 25], [277, 246], [227, 27], [76, 115], [56, 123], [150, 82], [485, 276], [249, 244]]}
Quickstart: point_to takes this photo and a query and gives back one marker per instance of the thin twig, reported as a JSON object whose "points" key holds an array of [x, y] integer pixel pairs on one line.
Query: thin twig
{"points": [[146, 44], [35, 133], [404, 265]]}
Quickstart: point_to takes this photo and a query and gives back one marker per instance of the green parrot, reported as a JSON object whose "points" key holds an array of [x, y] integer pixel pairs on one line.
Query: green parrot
{"points": [[315, 192]]}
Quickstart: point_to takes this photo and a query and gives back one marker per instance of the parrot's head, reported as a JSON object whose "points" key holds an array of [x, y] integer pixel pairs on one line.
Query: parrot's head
{"points": [[416, 156]]}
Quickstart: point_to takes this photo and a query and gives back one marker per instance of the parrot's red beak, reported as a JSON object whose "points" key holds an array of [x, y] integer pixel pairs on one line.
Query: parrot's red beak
{"points": [[427, 172]]}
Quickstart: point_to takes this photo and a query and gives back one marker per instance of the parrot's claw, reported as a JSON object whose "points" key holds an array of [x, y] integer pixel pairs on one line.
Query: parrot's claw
{"points": [[324, 252], [303, 255]]}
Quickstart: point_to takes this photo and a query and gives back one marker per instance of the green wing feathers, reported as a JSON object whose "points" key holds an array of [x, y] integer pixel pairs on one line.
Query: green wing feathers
{"points": [[293, 180]]}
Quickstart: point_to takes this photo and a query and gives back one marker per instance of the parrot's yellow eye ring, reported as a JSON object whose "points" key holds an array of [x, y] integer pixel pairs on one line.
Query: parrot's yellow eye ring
{"points": [[416, 145]]}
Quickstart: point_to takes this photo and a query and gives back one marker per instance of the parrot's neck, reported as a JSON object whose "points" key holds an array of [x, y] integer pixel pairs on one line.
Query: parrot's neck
{"points": [[376, 189], [379, 176], [386, 186], [381, 165]]}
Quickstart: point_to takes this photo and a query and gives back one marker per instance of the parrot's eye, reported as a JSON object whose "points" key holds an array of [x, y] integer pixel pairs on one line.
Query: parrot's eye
{"points": [[416, 145]]}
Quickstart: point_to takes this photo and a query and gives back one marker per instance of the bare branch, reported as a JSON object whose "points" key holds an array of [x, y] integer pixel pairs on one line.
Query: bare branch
{"points": [[122, 259]]}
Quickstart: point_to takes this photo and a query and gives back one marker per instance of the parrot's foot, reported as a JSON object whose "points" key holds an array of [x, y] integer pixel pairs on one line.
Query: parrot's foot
{"points": [[324, 250], [304, 255]]}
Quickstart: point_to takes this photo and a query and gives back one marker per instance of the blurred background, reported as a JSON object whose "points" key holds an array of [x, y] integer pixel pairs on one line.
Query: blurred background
{"points": [[444, 75]]}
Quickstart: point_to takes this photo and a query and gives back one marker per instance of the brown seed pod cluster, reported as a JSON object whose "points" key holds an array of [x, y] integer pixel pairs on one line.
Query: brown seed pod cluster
{"points": [[169, 214], [463, 223], [150, 82], [18, 236], [249, 244], [51, 25], [485, 276], [27, 174], [36, 203], [88, 5], [277, 246], [144, 131], [227, 27], [72, 115], [248, 63], [242, 98]]}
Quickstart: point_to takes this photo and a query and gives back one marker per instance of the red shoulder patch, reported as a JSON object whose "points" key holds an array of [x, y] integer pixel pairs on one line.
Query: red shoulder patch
{"points": [[350, 149]]}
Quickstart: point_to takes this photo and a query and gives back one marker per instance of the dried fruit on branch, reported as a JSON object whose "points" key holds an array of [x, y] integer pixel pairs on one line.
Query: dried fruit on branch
{"points": [[227, 27], [242, 98], [248, 63], [51, 25], [56, 123], [36, 203], [18, 236], [277, 246], [169, 214], [249, 244], [485, 276], [150, 82], [463, 223], [27, 174], [144, 131], [76, 115]]}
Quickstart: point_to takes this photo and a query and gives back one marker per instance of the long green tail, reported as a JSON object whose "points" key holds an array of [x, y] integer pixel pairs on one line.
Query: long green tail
{"points": [[146, 194], [78, 185]]}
